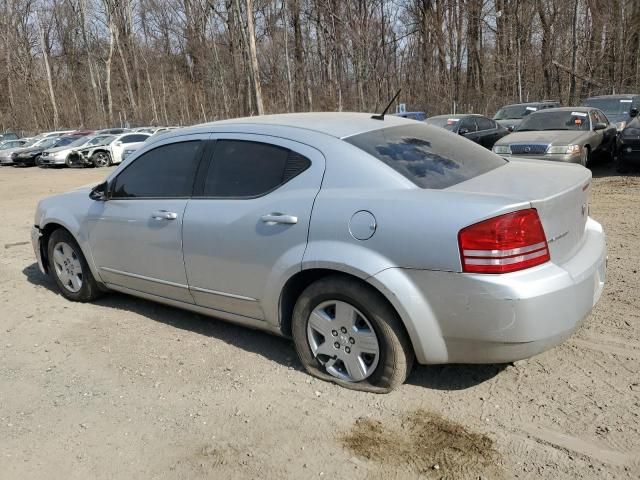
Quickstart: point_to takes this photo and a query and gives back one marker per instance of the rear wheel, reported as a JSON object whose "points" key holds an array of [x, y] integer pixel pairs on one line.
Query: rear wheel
{"points": [[345, 332], [101, 159], [69, 268]]}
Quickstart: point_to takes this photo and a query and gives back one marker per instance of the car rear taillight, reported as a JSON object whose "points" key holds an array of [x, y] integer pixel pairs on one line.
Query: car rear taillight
{"points": [[502, 244]]}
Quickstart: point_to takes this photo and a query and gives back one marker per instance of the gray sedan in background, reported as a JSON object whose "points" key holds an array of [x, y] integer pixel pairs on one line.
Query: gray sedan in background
{"points": [[567, 134], [372, 242]]}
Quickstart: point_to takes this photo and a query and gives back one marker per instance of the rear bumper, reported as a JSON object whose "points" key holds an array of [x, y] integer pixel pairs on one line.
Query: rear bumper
{"points": [[501, 318]]}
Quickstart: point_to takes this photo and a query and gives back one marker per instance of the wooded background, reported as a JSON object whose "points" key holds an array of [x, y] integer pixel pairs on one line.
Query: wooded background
{"points": [[98, 63]]}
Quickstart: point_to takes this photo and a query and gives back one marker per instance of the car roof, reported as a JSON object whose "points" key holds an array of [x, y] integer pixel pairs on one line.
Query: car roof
{"points": [[335, 124], [541, 102], [614, 96], [566, 109], [456, 115]]}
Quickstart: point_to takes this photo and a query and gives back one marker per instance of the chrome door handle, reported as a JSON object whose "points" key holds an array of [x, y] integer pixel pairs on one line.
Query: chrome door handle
{"points": [[273, 218], [164, 215]]}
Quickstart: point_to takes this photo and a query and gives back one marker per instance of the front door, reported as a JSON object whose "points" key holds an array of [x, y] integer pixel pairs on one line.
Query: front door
{"points": [[249, 226], [135, 235]]}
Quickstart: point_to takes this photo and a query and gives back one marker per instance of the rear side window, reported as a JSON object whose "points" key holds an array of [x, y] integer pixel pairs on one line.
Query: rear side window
{"points": [[469, 124], [426, 155], [164, 172], [485, 123], [243, 169]]}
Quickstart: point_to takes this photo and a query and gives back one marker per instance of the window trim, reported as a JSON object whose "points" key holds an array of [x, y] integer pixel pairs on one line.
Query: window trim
{"points": [[199, 160], [198, 193]]}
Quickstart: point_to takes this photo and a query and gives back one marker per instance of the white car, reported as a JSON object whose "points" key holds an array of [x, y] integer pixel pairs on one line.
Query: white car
{"points": [[109, 152]]}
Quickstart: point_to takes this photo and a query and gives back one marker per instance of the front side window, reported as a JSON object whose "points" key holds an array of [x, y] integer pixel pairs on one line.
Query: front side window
{"points": [[244, 169], [164, 172], [426, 156]]}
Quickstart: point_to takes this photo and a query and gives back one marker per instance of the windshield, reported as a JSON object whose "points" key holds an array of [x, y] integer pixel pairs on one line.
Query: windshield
{"points": [[448, 123], [514, 112], [558, 120], [101, 140], [610, 106], [78, 142], [426, 156], [46, 142], [64, 141]]}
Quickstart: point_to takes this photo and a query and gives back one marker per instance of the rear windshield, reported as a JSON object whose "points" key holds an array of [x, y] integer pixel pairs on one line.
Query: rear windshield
{"points": [[448, 123], [426, 155], [515, 112]]}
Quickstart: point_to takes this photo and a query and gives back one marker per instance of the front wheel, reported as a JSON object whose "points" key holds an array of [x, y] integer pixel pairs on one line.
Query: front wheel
{"points": [[344, 331], [70, 269], [101, 159], [585, 157]]}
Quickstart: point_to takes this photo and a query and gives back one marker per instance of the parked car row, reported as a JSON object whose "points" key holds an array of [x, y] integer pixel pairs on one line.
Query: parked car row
{"points": [[605, 127], [81, 148]]}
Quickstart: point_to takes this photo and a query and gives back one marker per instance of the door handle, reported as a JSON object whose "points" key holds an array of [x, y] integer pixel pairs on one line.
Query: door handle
{"points": [[273, 218], [164, 215]]}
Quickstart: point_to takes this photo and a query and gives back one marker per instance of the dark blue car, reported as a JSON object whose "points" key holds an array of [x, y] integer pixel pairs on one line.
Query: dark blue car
{"points": [[420, 116], [617, 108]]}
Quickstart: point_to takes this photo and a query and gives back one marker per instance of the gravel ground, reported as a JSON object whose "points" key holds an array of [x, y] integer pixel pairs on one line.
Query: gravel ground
{"points": [[125, 388]]}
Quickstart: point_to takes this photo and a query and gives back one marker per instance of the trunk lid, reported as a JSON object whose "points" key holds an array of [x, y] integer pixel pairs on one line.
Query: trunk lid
{"points": [[559, 192]]}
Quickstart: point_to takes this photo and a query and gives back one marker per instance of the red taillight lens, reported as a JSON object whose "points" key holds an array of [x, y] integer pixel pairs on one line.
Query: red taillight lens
{"points": [[507, 243]]}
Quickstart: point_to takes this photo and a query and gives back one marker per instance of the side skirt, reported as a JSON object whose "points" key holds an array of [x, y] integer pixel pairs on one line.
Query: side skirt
{"points": [[209, 312]]}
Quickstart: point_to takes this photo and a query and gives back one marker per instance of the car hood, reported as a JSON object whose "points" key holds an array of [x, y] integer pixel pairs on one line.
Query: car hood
{"points": [[27, 151], [554, 137]]}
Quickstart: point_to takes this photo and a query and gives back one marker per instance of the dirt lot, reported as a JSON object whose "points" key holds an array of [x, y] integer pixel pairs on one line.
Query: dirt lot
{"points": [[125, 388]]}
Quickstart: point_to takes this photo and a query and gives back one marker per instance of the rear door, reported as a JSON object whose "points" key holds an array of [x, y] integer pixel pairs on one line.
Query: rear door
{"points": [[136, 235], [487, 132], [249, 225]]}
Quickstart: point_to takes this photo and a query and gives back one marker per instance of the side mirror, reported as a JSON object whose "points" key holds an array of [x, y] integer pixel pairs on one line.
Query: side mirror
{"points": [[511, 128], [633, 112], [99, 193], [118, 144], [463, 131], [599, 126]]}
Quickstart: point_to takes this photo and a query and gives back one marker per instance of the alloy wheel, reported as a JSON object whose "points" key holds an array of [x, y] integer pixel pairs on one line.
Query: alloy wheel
{"points": [[101, 159], [68, 267], [343, 340]]}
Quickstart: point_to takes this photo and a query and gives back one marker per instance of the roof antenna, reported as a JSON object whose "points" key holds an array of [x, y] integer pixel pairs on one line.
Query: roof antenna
{"points": [[381, 116]]}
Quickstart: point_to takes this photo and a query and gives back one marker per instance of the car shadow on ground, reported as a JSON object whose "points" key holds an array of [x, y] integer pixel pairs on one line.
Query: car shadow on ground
{"points": [[277, 349], [600, 169]]}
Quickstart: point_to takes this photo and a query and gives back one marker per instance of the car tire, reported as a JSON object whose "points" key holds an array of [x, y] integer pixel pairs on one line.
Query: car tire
{"points": [[101, 159], [585, 158], [69, 268], [372, 324]]}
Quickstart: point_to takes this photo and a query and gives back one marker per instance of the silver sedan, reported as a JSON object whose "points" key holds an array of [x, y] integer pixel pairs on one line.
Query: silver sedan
{"points": [[373, 243]]}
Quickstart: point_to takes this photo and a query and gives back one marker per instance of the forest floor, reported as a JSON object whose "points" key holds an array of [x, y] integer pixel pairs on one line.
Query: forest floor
{"points": [[126, 388]]}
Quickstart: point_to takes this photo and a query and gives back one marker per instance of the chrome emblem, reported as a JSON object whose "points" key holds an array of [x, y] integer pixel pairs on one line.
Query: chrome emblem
{"points": [[527, 149]]}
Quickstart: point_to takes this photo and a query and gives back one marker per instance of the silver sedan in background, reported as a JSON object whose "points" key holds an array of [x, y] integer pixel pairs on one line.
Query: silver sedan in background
{"points": [[567, 134], [372, 242]]}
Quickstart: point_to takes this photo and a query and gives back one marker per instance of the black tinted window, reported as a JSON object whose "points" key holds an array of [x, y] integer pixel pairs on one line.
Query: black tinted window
{"points": [[165, 172], [249, 169], [134, 138], [484, 123], [426, 155]]}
